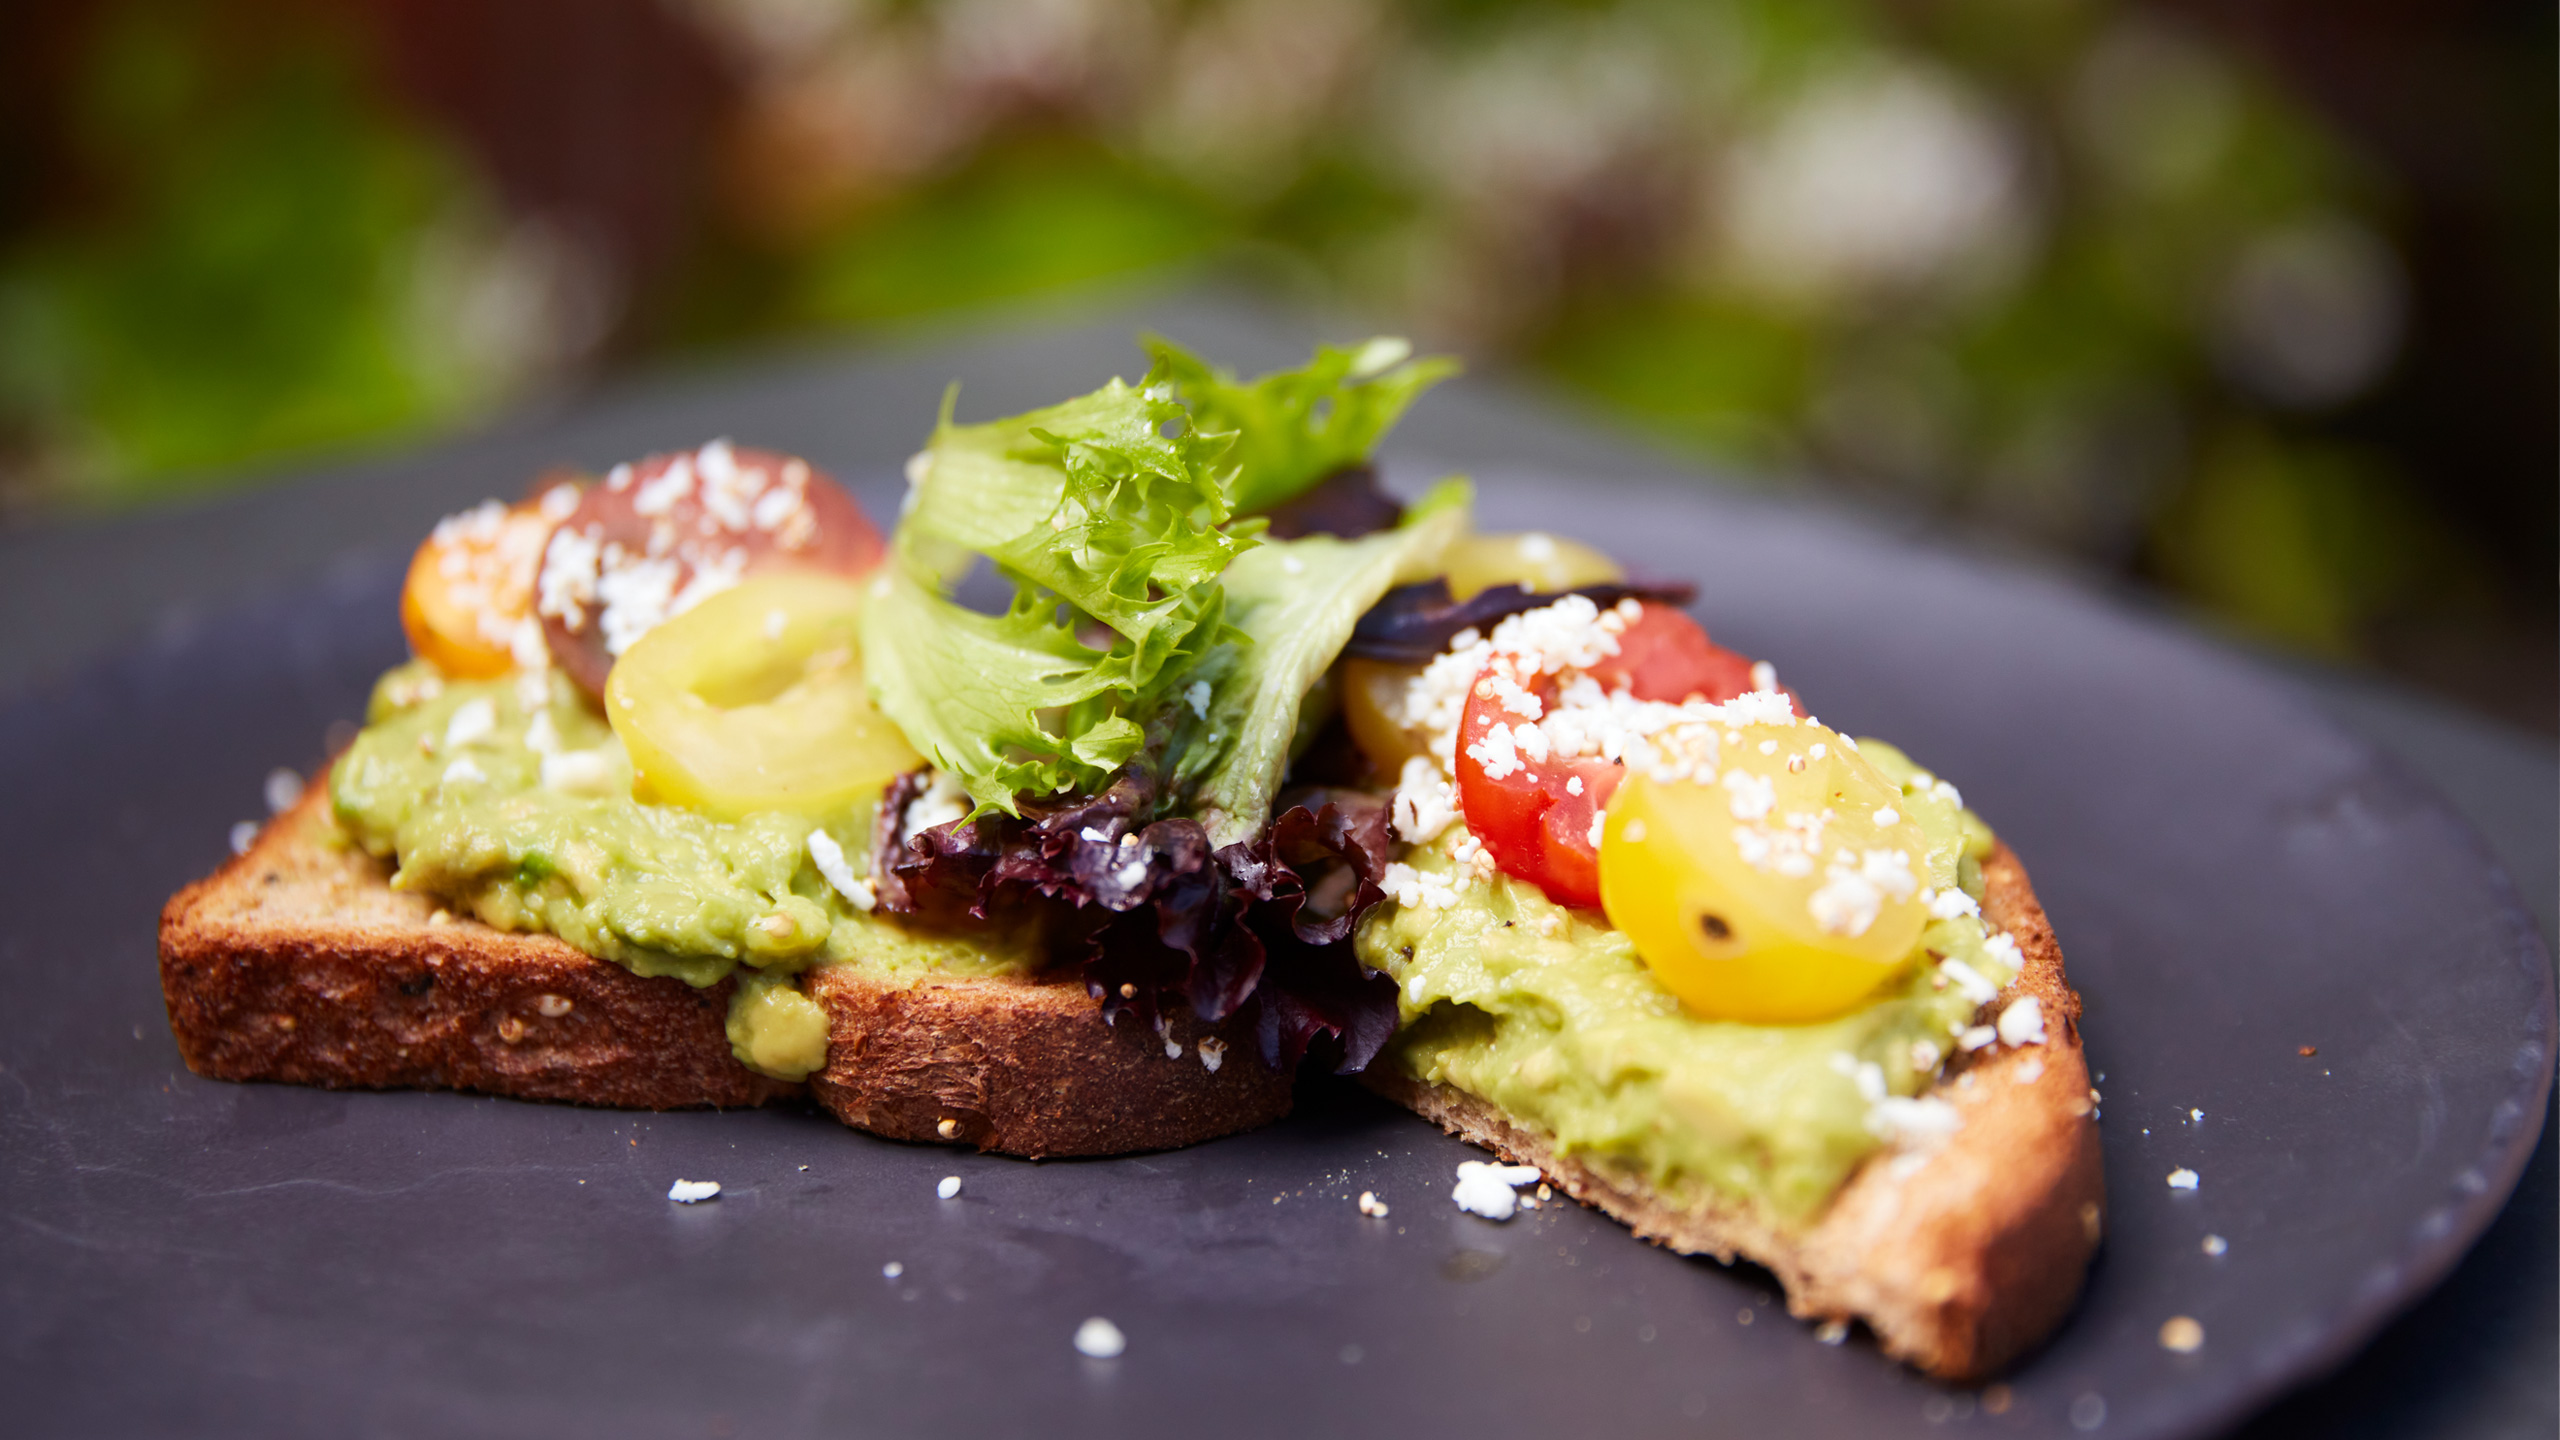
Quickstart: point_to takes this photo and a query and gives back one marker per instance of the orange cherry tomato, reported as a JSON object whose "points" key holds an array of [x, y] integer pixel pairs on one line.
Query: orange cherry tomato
{"points": [[470, 588], [1534, 813]]}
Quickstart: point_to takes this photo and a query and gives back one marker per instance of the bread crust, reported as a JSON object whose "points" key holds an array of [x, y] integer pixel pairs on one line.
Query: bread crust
{"points": [[1031, 1069], [1960, 1260], [297, 962]]}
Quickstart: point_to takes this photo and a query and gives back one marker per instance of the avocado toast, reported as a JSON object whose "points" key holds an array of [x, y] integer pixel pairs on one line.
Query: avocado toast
{"points": [[719, 799]]}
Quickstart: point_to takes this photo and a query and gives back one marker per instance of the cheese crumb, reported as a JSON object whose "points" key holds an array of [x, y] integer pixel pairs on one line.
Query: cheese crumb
{"points": [[1969, 980], [2023, 1024], [890, 1271], [2183, 1178], [1486, 1189], [949, 1189], [693, 1192], [2181, 1334], [579, 772], [471, 722], [2215, 1245], [284, 789], [1213, 1053], [1922, 1124], [1099, 1339], [829, 856], [1372, 1206], [243, 835]]}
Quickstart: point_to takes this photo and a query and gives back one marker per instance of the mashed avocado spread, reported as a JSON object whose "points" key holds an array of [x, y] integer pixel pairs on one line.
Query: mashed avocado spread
{"points": [[1550, 1014], [511, 799]]}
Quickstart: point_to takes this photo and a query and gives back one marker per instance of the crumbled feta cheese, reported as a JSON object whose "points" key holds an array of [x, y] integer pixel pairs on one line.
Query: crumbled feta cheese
{"points": [[463, 772], [1425, 802], [542, 734], [1921, 1124], [283, 790], [1417, 889], [2216, 1245], [2022, 1023], [1975, 1037], [1949, 904], [2004, 949], [2183, 1178], [1197, 697], [1213, 1053], [1969, 980], [830, 860], [1846, 904], [243, 835], [944, 800], [693, 1192], [470, 723], [1486, 1189], [1754, 796], [1099, 1339], [1372, 1206], [949, 1189], [890, 1271], [579, 772]]}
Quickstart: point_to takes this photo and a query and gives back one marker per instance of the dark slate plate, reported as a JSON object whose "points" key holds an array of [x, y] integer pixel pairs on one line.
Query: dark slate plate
{"points": [[2232, 880]]}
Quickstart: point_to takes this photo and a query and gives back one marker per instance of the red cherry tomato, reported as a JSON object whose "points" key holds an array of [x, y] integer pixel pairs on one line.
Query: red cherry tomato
{"points": [[1533, 813], [1665, 656], [645, 537]]}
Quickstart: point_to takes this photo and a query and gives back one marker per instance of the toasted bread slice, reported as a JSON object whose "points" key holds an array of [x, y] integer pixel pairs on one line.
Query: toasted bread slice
{"points": [[1960, 1259], [298, 962]]}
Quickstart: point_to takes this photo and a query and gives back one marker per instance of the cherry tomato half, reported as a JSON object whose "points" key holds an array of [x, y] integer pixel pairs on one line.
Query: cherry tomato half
{"points": [[654, 538], [1533, 812]]}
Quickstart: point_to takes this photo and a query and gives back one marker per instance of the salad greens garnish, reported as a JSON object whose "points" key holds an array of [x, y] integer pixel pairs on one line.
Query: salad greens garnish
{"points": [[1295, 427], [1119, 519], [1296, 602]]}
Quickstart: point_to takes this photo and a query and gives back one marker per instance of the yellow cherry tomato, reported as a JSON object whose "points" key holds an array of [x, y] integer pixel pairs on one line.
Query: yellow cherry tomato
{"points": [[754, 700], [1372, 708], [1785, 890], [1533, 560], [470, 587]]}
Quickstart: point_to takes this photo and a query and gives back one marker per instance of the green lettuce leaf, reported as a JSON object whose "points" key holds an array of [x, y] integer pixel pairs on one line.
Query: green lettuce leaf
{"points": [[1295, 602], [1100, 517], [1295, 427], [1147, 620]]}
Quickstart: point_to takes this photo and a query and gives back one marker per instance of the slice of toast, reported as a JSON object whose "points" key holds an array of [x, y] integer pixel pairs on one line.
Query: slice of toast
{"points": [[297, 962], [1960, 1259]]}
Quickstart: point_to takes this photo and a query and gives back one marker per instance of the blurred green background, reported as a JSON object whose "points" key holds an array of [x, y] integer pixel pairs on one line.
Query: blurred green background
{"points": [[2251, 302]]}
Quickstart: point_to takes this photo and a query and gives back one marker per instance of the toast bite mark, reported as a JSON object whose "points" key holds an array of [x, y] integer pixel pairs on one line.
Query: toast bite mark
{"points": [[297, 962], [1960, 1258]]}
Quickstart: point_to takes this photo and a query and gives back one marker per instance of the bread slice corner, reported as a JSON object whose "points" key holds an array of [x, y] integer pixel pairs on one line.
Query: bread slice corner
{"points": [[1959, 1259], [297, 962]]}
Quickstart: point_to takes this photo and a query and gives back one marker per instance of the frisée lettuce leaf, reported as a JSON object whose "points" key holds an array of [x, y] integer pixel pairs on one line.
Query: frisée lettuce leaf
{"points": [[1295, 427], [1296, 602], [1115, 517], [1110, 515]]}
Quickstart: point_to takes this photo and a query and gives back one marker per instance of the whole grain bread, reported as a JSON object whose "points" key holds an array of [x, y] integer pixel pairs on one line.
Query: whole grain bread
{"points": [[1959, 1259], [297, 962]]}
